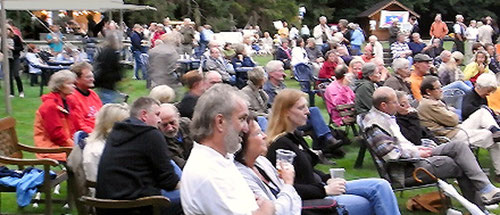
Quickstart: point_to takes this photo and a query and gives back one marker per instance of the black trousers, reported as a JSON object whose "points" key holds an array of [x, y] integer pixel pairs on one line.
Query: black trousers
{"points": [[14, 74]]}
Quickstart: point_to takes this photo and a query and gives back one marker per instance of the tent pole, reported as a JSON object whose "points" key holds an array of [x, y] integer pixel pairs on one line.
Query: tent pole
{"points": [[5, 65], [121, 18]]}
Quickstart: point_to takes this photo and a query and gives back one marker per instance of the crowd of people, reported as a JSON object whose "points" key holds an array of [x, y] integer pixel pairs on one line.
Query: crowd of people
{"points": [[214, 149]]}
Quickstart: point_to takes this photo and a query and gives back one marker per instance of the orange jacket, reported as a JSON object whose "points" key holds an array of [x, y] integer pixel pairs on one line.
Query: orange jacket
{"points": [[52, 127], [84, 110], [438, 30]]}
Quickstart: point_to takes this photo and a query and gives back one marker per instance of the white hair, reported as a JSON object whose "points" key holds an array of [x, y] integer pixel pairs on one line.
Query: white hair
{"points": [[400, 63], [486, 80], [373, 38], [273, 65]]}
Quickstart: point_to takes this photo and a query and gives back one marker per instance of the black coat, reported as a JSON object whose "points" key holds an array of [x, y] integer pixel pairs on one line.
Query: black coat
{"points": [[107, 68], [471, 103], [412, 130], [308, 181], [134, 163], [186, 106]]}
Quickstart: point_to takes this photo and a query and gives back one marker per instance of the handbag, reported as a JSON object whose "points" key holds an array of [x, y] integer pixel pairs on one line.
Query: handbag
{"points": [[432, 202], [322, 207]]}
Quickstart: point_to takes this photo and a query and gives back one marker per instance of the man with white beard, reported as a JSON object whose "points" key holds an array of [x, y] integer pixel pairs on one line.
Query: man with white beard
{"points": [[176, 131], [211, 183]]}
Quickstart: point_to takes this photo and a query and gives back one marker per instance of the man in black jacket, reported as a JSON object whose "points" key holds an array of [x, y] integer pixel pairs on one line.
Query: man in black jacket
{"points": [[476, 98], [135, 163]]}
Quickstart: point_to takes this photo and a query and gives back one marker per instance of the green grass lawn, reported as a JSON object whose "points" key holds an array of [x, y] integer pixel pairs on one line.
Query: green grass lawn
{"points": [[24, 112]]}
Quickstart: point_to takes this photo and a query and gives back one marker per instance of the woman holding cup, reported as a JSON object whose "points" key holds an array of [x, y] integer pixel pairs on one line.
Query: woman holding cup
{"points": [[262, 177], [364, 196]]}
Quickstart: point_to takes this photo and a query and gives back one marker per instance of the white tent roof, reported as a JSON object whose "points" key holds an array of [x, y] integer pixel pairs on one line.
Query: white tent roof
{"points": [[99, 5]]}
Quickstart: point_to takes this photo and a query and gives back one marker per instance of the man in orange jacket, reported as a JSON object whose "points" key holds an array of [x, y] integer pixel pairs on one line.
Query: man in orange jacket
{"points": [[84, 102]]}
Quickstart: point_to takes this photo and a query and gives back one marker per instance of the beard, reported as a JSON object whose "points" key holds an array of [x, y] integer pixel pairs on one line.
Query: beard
{"points": [[232, 140], [171, 134]]}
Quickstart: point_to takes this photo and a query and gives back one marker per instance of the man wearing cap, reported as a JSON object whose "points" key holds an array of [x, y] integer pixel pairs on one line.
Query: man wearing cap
{"points": [[422, 65]]}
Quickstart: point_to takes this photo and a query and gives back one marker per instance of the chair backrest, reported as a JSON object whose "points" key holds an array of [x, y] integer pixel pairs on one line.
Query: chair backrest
{"points": [[379, 163], [8, 138], [303, 72], [348, 113]]}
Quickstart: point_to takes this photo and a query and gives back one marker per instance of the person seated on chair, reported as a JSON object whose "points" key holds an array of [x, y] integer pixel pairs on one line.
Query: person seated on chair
{"points": [[323, 138], [284, 54], [479, 129], [196, 85], [365, 196], [365, 88], [84, 102], [399, 81], [106, 118], [262, 177], [53, 127], [451, 160], [339, 93], [315, 55], [34, 61], [216, 63], [211, 183], [475, 99], [257, 97], [327, 71], [477, 67], [177, 133], [400, 49], [409, 122], [241, 58], [355, 67], [150, 172]]}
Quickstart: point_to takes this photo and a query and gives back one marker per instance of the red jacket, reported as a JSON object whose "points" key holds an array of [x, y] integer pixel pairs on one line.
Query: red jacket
{"points": [[327, 70], [84, 110], [52, 128]]}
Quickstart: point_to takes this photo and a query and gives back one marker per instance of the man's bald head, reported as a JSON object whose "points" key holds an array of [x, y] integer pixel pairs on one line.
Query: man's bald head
{"points": [[383, 97], [169, 120], [211, 78]]}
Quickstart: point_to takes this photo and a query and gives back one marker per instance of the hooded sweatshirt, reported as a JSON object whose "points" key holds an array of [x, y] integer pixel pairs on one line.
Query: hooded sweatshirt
{"points": [[134, 163]]}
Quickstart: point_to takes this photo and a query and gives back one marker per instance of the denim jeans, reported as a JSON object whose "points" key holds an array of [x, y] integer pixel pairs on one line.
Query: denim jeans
{"points": [[139, 65], [368, 196], [318, 126], [174, 195], [459, 85], [109, 96]]}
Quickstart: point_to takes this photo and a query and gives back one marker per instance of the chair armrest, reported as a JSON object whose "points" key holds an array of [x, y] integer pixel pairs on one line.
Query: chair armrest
{"points": [[32, 149], [141, 202], [406, 160], [28, 162]]}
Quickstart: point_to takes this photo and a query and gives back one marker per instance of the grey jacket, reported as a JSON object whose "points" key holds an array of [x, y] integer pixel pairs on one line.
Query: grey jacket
{"points": [[257, 99]]}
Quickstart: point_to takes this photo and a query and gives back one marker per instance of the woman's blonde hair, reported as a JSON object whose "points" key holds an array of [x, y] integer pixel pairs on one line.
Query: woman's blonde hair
{"points": [[162, 93], [57, 80], [279, 122], [106, 118]]}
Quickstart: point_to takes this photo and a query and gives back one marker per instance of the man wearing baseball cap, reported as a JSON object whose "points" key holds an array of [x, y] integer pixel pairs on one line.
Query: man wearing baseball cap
{"points": [[422, 64]]}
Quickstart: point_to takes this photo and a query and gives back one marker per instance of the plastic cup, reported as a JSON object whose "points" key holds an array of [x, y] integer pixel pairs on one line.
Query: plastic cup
{"points": [[284, 156], [337, 172]]}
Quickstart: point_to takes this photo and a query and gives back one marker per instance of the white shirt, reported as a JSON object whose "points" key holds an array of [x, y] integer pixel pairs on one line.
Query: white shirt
{"points": [[34, 60], [299, 55], [318, 33], [378, 50], [91, 156], [211, 184], [471, 33], [484, 34]]}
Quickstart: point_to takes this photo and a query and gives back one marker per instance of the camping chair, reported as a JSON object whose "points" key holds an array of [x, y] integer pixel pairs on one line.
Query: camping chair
{"points": [[11, 154], [349, 121], [82, 196], [303, 74]]}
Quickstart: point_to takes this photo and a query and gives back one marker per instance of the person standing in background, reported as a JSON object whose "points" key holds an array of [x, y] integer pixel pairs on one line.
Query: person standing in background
{"points": [[438, 28]]}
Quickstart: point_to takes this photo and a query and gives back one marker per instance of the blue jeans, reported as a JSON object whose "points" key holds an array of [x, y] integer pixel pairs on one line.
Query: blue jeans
{"points": [[174, 195], [109, 96], [262, 121], [368, 196], [459, 85], [317, 124], [139, 65]]}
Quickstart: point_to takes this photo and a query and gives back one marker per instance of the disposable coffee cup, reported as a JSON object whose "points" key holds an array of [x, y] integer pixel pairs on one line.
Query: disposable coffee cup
{"points": [[284, 156], [337, 172]]}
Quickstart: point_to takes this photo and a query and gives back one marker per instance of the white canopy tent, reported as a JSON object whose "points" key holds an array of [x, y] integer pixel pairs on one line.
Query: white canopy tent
{"points": [[98, 5]]}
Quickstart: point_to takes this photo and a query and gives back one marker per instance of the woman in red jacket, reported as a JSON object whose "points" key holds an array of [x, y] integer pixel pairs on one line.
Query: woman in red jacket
{"points": [[52, 126], [328, 68]]}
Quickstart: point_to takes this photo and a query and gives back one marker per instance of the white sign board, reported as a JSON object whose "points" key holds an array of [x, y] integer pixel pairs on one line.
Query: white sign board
{"points": [[388, 17], [228, 37]]}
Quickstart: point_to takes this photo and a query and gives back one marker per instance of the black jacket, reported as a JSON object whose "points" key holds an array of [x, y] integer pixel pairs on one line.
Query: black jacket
{"points": [[186, 106], [472, 102], [134, 163], [107, 68], [412, 130], [308, 181]]}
